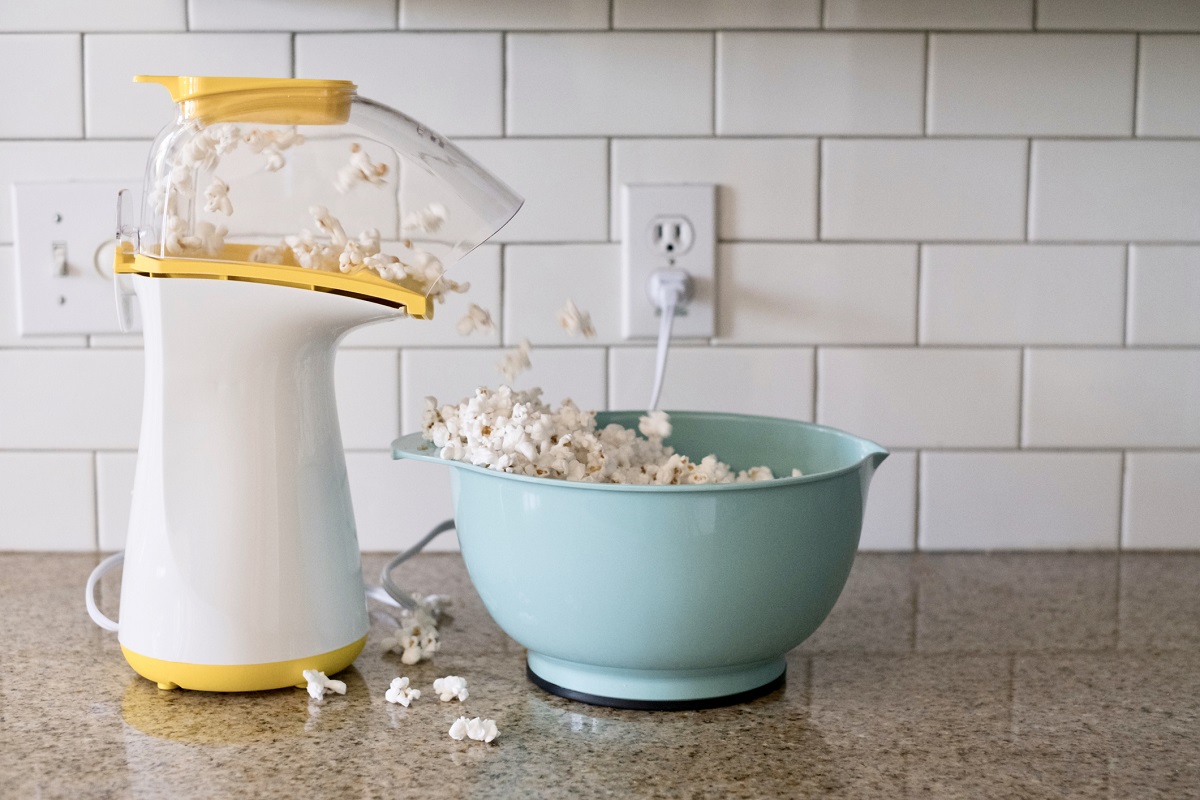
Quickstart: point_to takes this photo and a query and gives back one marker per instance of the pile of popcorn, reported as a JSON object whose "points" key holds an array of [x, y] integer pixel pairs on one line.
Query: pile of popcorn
{"points": [[514, 431]]}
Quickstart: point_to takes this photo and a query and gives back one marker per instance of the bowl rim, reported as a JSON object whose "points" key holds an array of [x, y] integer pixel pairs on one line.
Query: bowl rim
{"points": [[413, 446]]}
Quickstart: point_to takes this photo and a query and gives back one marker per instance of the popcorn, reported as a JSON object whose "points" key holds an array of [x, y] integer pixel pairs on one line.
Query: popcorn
{"points": [[514, 431], [451, 687], [217, 195], [796, 473], [574, 321], [655, 424], [268, 254], [515, 362], [481, 730], [361, 169], [399, 692], [476, 319], [318, 684], [416, 640], [329, 225], [208, 238], [428, 220]]}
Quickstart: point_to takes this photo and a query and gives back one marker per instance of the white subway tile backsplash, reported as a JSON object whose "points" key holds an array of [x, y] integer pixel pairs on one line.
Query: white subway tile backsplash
{"points": [[1169, 86], [114, 496], [70, 399], [269, 15], [1164, 295], [564, 183], [923, 189], [93, 15], [116, 107], [22, 162], [54, 88], [368, 397], [449, 81], [891, 516], [1020, 501], [771, 381], [1022, 294], [1031, 84], [481, 268], [398, 502], [538, 281], [509, 15], [10, 335], [766, 188], [47, 501], [1162, 503], [820, 83], [934, 14], [816, 293], [1139, 15], [928, 397], [1115, 191], [1112, 398], [451, 375], [717, 14], [619, 84]]}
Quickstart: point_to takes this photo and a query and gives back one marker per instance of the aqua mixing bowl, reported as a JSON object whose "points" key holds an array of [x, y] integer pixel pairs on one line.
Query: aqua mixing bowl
{"points": [[666, 597]]}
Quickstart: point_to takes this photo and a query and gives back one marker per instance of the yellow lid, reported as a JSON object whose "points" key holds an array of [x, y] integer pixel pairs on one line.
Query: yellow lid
{"points": [[269, 101]]}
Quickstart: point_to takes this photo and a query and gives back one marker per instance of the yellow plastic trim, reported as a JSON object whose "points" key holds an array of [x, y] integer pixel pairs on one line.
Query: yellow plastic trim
{"points": [[240, 677], [270, 101], [232, 263]]}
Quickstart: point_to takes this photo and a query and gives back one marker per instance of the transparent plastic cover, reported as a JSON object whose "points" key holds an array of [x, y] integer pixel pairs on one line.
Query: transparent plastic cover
{"points": [[376, 194]]}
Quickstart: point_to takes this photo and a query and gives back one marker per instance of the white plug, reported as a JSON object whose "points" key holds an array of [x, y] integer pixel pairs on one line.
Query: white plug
{"points": [[669, 290]]}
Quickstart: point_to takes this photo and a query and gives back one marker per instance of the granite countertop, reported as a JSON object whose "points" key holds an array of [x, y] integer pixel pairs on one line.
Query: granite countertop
{"points": [[1014, 675]]}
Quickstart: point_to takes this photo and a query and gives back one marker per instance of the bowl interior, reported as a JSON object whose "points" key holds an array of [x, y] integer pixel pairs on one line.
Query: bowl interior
{"points": [[744, 441]]}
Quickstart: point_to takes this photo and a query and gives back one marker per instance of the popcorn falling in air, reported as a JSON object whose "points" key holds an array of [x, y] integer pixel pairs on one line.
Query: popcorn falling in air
{"points": [[361, 169], [217, 195], [476, 319], [514, 431], [480, 730], [574, 321], [515, 361], [428, 220], [451, 687], [399, 692], [318, 684], [656, 423]]}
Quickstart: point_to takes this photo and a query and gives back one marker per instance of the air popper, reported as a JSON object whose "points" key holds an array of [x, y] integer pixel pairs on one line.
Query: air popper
{"points": [[278, 215]]}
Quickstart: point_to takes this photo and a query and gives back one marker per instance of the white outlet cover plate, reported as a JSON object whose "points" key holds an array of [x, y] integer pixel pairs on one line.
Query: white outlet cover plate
{"points": [[642, 205], [82, 216]]}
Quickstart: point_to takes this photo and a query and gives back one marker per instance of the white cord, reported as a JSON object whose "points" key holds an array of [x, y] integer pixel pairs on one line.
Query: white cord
{"points": [[669, 290]]}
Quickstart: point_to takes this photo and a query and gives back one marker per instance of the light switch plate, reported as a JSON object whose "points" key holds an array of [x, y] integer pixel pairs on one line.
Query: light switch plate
{"points": [[668, 226], [64, 239]]}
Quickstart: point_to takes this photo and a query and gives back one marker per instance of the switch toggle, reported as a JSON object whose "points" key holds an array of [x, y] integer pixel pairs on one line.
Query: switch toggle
{"points": [[58, 254]]}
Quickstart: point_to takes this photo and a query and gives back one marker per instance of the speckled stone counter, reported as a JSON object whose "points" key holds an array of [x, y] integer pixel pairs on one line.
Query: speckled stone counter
{"points": [[1055, 675]]}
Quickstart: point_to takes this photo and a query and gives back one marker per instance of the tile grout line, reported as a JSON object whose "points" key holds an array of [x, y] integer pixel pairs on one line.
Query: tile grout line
{"points": [[926, 109], [1028, 189], [919, 457], [1128, 298], [1121, 500], [83, 107], [96, 499], [1137, 79], [504, 93], [1021, 404], [714, 76]]}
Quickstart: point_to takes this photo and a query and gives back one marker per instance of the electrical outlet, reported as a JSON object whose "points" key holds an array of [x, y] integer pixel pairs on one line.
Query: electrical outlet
{"points": [[668, 226]]}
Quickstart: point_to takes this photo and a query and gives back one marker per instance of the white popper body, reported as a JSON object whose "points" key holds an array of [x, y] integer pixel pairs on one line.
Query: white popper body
{"points": [[242, 546]]}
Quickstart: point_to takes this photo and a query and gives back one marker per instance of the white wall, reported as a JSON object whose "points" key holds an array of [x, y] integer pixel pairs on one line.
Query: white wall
{"points": [[969, 230]]}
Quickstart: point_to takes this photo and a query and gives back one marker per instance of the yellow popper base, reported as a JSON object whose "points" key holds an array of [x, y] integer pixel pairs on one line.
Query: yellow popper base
{"points": [[233, 264], [240, 677]]}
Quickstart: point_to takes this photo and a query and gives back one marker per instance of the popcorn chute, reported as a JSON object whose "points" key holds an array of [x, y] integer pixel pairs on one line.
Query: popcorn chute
{"points": [[278, 215]]}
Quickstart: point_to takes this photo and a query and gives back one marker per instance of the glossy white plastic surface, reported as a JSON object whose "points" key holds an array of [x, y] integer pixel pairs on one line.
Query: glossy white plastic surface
{"points": [[242, 546]]}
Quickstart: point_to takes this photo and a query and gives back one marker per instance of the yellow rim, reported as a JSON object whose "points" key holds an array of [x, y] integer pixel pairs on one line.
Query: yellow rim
{"points": [[240, 677], [272, 101]]}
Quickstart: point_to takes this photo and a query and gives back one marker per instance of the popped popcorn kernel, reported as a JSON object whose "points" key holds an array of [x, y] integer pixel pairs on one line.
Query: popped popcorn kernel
{"points": [[458, 730], [476, 319], [515, 361], [451, 687], [656, 423], [482, 730], [318, 684], [400, 692], [574, 321]]}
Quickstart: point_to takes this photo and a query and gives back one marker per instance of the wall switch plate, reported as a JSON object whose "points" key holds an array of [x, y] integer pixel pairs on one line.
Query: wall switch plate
{"points": [[668, 226], [64, 239]]}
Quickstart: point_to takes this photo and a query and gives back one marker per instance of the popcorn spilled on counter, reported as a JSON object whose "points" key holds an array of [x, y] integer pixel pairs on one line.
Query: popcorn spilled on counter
{"points": [[400, 692], [450, 688], [416, 639], [514, 431], [318, 684], [481, 730]]}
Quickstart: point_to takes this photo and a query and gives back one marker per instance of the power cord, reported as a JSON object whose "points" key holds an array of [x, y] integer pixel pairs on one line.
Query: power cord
{"points": [[669, 290]]}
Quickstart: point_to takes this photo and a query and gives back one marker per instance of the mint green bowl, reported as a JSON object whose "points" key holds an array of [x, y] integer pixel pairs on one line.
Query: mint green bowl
{"points": [[667, 596]]}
